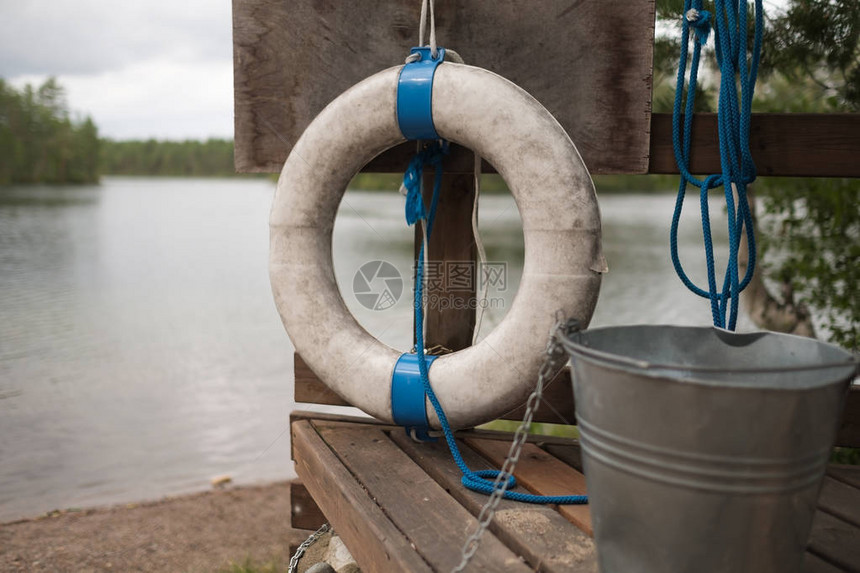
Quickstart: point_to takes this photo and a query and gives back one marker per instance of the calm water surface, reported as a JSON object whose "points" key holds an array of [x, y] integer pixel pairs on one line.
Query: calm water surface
{"points": [[140, 350]]}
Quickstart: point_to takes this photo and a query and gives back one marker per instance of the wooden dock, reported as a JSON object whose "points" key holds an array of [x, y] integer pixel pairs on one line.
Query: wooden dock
{"points": [[399, 505]]}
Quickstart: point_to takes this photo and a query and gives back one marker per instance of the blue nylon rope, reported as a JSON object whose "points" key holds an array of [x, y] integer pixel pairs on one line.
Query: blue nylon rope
{"points": [[480, 481], [736, 163]]}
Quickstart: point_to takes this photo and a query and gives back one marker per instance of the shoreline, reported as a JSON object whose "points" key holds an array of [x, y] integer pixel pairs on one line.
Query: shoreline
{"points": [[204, 531]]}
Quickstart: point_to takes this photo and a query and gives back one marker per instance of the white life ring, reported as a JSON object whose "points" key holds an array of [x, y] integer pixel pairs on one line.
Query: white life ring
{"points": [[561, 227]]}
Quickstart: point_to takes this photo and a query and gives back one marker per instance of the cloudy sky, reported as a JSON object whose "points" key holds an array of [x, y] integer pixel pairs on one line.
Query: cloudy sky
{"points": [[141, 68]]}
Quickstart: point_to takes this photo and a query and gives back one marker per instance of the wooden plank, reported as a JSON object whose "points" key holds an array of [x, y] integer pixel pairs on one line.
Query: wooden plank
{"points": [[795, 144], [296, 415], [589, 63], [433, 521], [547, 541], [571, 454], [841, 500], [541, 473], [846, 474], [533, 438], [558, 406], [835, 541], [373, 540], [814, 564], [309, 388], [849, 426], [451, 269], [304, 511], [539, 439]]}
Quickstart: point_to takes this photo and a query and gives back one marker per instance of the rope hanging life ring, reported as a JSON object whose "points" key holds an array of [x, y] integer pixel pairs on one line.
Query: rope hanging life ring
{"points": [[561, 228]]}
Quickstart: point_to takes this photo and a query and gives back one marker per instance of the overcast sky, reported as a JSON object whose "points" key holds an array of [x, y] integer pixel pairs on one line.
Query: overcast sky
{"points": [[141, 68]]}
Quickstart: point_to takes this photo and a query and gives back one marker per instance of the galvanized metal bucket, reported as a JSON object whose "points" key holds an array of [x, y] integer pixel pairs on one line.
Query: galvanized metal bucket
{"points": [[704, 449]]}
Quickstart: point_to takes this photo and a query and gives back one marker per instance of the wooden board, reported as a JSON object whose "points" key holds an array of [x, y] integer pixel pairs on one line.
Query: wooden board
{"points": [[558, 406], [546, 540], [542, 474], [797, 144], [372, 480], [845, 474], [304, 511], [589, 63], [841, 500], [334, 487], [835, 541], [571, 454], [435, 524], [814, 564], [849, 426]]}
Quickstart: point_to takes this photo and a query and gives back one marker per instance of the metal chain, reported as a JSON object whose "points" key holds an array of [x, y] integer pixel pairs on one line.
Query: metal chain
{"points": [[555, 357], [294, 560]]}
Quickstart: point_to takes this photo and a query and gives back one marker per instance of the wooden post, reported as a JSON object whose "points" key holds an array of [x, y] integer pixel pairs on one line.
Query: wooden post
{"points": [[452, 272]]}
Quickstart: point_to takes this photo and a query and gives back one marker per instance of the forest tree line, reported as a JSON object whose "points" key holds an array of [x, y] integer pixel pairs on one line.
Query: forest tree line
{"points": [[190, 158], [41, 142]]}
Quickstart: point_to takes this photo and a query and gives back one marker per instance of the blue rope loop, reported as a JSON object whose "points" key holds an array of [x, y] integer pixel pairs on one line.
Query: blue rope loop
{"points": [[733, 119], [483, 480], [431, 154]]}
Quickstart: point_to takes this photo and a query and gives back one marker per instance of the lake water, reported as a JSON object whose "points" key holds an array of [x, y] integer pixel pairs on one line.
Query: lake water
{"points": [[140, 350]]}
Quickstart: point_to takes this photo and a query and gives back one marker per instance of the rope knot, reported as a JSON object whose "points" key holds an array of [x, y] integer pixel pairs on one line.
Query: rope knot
{"points": [[700, 20], [432, 154]]}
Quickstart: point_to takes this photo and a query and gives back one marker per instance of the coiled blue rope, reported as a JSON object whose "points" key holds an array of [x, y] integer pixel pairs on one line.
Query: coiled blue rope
{"points": [[736, 163], [483, 480]]}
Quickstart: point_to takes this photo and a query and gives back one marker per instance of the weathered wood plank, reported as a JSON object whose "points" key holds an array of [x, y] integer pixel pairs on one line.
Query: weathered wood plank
{"points": [[848, 433], [297, 415], [435, 524], [841, 500], [835, 541], [304, 511], [571, 454], [309, 388], [541, 473], [558, 406], [541, 440], [846, 474], [589, 63], [547, 541], [370, 536], [814, 564], [451, 271], [796, 144]]}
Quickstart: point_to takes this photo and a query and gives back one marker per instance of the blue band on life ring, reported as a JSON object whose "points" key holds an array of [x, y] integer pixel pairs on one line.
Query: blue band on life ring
{"points": [[415, 95], [407, 395]]}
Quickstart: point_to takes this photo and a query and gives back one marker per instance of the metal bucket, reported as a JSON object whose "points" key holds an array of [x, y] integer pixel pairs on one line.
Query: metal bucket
{"points": [[704, 449]]}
